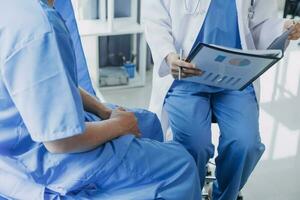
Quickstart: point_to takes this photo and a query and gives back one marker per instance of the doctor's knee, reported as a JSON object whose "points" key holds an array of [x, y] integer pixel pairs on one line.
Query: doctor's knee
{"points": [[248, 147]]}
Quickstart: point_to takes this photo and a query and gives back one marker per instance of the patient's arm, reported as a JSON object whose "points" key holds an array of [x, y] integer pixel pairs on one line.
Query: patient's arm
{"points": [[97, 133], [92, 105]]}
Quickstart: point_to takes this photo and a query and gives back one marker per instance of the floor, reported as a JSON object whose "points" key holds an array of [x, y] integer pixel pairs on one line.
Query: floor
{"points": [[277, 176]]}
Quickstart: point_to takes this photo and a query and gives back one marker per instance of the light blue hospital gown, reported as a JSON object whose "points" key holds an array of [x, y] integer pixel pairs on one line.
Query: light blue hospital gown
{"points": [[39, 102]]}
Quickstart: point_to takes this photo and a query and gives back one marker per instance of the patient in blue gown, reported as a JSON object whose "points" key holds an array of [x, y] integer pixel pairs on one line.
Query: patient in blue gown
{"points": [[57, 141]]}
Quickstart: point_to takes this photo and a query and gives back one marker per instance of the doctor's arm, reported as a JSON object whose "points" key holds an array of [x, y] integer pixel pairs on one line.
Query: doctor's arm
{"points": [[266, 26], [158, 30], [97, 133]]}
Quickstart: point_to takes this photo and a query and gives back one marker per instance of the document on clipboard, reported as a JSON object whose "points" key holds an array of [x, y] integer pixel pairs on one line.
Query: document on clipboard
{"points": [[234, 69]]}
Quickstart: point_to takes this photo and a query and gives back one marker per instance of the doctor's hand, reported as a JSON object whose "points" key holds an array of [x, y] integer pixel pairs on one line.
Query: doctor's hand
{"points": [[295, 34], [127, 122], [188, 69]]}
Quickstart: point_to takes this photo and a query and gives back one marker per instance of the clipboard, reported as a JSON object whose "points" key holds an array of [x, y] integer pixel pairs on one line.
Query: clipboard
{"points": [[229, 68], [216, 70]]}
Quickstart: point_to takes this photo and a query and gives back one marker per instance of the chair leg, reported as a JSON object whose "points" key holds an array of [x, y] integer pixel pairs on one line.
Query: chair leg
{"points": [[209, 180]]}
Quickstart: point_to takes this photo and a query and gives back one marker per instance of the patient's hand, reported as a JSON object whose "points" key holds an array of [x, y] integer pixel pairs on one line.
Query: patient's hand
{"points": [[128, 123], [103, 112], [92, 105]]}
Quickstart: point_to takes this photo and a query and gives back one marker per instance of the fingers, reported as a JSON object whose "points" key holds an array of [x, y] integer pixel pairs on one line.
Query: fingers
{"points": [[182, 63], [186, 72], [297, 26], [187, 69], [183, 75], [135, 131], [135, 128], [295, 34], [121, 109]]}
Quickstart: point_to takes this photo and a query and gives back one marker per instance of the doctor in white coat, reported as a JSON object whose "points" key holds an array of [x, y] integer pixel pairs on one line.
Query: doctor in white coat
{"points": [[187, 108]]}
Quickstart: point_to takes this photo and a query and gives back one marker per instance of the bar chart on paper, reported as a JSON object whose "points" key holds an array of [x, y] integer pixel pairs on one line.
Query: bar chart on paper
{"points": [[230, 68]]}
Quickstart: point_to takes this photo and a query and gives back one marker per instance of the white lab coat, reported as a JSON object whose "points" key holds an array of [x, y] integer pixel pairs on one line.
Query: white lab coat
{"points": [[169, 27]]}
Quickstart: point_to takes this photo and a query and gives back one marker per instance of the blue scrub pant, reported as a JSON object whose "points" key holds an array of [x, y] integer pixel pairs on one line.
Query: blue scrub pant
{"points": [[190, 112], [148, 123], [150, 170]]}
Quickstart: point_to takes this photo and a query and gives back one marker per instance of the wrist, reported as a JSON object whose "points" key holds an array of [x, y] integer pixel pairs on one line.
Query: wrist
{"points": [[121, 129], [170, 57], [107, 113], [103, 112]]}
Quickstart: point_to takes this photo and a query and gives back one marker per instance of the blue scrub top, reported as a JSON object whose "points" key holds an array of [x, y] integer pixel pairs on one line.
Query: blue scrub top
{"points": [[40, 102], [65, 9], [221, 25], [219, 28]]}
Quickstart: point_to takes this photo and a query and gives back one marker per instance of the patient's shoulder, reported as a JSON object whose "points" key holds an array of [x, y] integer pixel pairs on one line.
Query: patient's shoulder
{"points": [[23, 16], [21, 21]]}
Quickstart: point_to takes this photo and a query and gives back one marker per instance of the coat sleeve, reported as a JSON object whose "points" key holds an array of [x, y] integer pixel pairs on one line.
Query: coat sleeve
{"points": [[158, 30], [266, 26]]}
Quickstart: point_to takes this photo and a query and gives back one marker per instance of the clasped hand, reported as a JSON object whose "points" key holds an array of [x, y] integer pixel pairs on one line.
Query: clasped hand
{"points": [[127, 121]]}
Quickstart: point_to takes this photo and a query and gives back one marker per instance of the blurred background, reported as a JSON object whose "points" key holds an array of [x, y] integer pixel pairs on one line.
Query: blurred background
{"points": [[121, 68]]}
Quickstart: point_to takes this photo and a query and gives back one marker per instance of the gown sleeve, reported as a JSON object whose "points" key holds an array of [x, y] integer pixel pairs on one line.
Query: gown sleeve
{"points": [[39, 79]]}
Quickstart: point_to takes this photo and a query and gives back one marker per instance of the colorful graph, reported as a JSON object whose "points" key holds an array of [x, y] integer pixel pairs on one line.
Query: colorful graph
{"points": [[241, 62], [220, 58]]}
